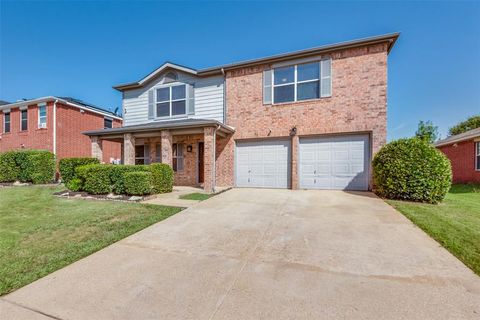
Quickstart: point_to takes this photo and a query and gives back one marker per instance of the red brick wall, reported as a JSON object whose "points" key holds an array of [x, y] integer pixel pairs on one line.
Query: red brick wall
{"points": [[462, 157], [358, 103], [33, 138], [70, 125], [70, 140]]}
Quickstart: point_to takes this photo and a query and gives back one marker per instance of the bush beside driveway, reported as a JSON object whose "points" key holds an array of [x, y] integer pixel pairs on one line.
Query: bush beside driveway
{"points": [[40, 233]]}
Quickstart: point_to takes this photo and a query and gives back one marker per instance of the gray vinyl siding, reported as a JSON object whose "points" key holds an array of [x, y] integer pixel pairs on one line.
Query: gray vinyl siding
{"points": [[208, 99]]}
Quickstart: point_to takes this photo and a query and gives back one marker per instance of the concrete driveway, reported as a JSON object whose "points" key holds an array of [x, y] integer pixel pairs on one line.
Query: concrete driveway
{"points": [[263, 254]]}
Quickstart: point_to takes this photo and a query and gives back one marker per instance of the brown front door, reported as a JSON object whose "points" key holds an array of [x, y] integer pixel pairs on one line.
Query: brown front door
{"points": [[200, 162]]}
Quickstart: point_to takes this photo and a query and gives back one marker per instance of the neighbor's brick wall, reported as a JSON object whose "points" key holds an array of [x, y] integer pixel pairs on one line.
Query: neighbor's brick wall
{"points": [[70, 140], [70, 125], [33, 138], [358, 103], [462, 158]]}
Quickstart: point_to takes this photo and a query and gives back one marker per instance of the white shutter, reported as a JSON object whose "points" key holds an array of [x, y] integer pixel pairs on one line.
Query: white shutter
{"points": [[190, 99], [151, 104], [180, 157], [267, 87], [146, 154], [326, 78]]}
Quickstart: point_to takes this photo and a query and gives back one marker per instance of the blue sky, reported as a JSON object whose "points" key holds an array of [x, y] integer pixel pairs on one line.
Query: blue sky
{"points": [[81, 49]]}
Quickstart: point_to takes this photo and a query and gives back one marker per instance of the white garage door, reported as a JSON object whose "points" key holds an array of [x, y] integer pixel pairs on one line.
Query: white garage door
{"points": [[263, 164], [336, 162]]}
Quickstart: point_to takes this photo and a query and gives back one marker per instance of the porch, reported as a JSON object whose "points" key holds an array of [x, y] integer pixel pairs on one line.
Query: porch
{"points": [[190, 146]]}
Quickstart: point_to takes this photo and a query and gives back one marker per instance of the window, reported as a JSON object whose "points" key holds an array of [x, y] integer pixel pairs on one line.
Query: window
{"points": [[171, 101], [107, 123], [42, 116], [477, 155], [24, 120], [158, 152], [6, 122], [177, 149], [297, 82], [142, 154]]}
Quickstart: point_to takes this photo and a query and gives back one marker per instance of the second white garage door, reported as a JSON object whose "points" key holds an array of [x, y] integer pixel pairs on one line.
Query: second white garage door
{"points": [[336, 162], [263, 164]]}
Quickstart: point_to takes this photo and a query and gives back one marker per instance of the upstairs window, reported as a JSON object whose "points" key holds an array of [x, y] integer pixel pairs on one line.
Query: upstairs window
{"points": [[6, 122], [297, 82], [171, 101], [477, 155], [107, 123], [42, 116], [24, 120]]}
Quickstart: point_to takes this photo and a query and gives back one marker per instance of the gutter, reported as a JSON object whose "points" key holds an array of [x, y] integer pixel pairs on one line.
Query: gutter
{"points": [[214, 176], [55, 127]]}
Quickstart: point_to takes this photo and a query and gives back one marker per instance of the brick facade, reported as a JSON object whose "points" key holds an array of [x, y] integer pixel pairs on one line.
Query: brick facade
{"points": [[357, 104], [70, 125], [462, 157]]}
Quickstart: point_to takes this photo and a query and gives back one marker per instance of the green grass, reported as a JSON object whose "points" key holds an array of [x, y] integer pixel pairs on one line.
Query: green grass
{"points": [[40, 233], [454, 223], [196, 196]]}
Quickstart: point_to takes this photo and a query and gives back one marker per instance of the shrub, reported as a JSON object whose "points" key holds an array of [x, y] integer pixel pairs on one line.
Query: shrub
{"points": [[117, 176], [67, 167], [137, 183], [36, 166], [95, 178], [41, 167], [411, 169], [162, 177], [74, 184], [9, 170]]}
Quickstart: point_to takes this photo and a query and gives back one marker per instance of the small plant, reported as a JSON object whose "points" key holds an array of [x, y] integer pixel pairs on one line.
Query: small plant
{"points": [[74, 184], [411, 169], [95, 178], [138, 183], [117, 176], [162, 177]]}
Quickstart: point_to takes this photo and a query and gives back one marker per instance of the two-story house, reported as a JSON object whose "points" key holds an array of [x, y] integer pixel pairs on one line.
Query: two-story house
{"points": [[56, 124], [306, 119]]}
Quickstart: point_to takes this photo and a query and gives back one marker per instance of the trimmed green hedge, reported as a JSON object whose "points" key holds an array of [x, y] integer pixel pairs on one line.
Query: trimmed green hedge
{"points": [[36, 166], [162, 177], [413, 170], [102, 178], [138, 183], [117, 176], [67, 167], [95, 178]]}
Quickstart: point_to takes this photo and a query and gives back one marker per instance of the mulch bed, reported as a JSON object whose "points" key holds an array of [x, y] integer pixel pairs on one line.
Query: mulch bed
{"points": [[110, 197]]}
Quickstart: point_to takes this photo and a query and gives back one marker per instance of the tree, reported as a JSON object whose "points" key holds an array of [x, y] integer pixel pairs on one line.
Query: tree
{"points": [[427, 131], [471, 123]]}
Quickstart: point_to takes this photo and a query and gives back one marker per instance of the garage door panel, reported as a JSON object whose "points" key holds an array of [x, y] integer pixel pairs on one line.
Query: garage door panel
{"points": [[267, 164], [340, 162]]}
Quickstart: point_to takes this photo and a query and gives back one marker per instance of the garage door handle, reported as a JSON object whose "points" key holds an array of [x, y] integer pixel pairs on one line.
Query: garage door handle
{"points": [[314, 171], [249, 171]]}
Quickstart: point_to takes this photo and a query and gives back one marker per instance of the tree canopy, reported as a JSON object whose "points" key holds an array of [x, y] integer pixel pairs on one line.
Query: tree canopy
{"points": [[427, 131], [471, 123]]}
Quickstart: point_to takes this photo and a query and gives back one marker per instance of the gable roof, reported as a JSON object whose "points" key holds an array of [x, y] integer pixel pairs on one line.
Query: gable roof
{"points": [[390, 38], [467, 135], [65, 100], [2, 102]]}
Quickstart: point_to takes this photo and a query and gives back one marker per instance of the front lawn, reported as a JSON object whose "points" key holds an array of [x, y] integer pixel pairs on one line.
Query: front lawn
{"points": [[40, 233], [455, 223]]}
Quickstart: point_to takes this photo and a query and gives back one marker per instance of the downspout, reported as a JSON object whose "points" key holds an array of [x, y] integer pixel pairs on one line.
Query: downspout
{"points": [[224, 97], [214, 176], [55, 127]]}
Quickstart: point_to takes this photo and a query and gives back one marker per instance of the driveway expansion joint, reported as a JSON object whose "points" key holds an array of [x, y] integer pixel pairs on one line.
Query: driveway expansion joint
{"points": [[31, 309]]}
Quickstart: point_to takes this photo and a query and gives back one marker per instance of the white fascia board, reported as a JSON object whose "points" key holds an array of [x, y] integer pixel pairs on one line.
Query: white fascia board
{"points": [[165, 66]]}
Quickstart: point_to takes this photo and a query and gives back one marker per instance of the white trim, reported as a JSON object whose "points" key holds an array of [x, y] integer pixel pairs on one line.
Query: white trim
{"points": [[163, 67], [52, 98], [477, 154], [54, 126]]}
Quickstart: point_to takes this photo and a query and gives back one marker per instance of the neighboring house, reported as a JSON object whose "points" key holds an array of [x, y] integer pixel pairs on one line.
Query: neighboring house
{"points": [[2, 102], [306, 119], [463, 150], [56, 124]]}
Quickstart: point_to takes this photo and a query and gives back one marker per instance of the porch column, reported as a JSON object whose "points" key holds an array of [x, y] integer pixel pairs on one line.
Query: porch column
{"points": [[97, 151], [295, 144], [208, 161], [128, 148], [166, 145]]}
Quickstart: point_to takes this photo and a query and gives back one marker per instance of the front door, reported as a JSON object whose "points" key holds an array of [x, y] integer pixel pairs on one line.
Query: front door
{"points": [[200, 161]]}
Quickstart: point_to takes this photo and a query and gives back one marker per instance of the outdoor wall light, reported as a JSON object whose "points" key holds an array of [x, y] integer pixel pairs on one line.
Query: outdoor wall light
{"points": [[293, 131], [189, 148]]}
